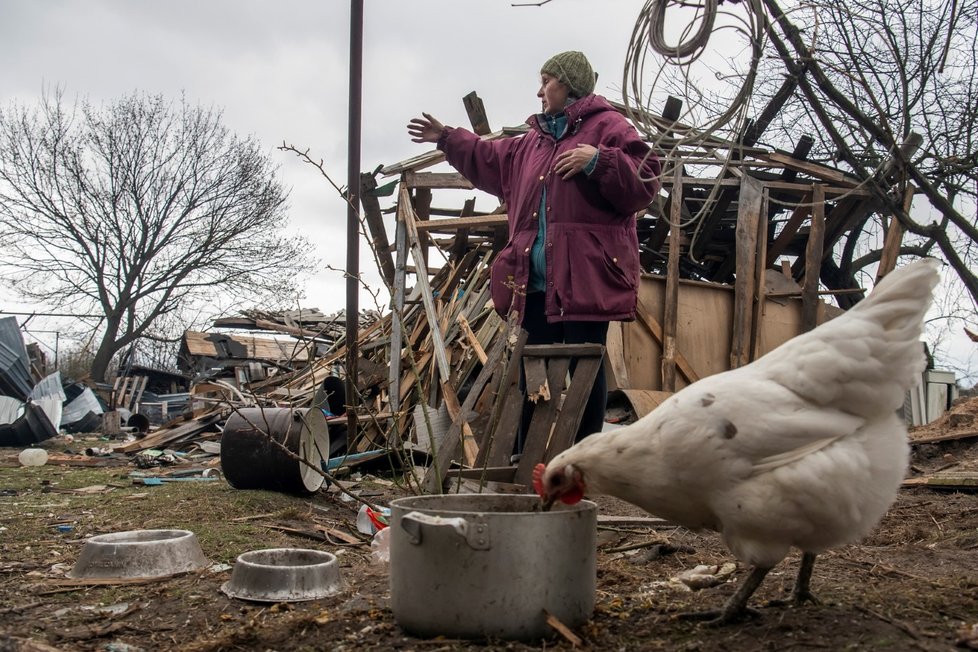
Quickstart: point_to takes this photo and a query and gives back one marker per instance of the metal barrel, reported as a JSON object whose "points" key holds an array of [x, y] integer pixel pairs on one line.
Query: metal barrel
{"points": [[263, 448]]}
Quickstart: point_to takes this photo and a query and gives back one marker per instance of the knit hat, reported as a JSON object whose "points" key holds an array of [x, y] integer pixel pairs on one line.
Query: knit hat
{"points": [[571, 68]]}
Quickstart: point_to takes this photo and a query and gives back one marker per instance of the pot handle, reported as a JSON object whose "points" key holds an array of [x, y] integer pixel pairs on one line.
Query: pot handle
{"points": [[476, 534]]}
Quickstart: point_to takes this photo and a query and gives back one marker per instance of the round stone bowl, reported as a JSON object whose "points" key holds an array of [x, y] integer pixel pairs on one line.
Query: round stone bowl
{"points": [[139, 554], [284, 575]]}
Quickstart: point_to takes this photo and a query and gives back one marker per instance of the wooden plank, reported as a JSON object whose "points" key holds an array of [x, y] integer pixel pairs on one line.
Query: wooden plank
{"points": [[472, 339], [490, 473], [790, 228], [894, 238], [460, 244], [458, 485], [542, 422], [440, 180], [615, 355], [476, 111], [950, 436], [434, 478], [813, 169], [160, 437], [948, 479], [120, 397], [748, 214], [670, 303], [572, 410], [434, 157], [535, 372], [760, 286], [397, 324], [655, 329], [644, 401], [137, 393], [422, 207], [500, 436], [470, 447], [813, 261], [375, 224], [787, 186], [449, 224], [444, 371], [609, 520]]}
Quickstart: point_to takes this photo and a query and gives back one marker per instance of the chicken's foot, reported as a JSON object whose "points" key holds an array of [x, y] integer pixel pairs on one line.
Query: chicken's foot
{"points": [[801, 593], [736, 607]]}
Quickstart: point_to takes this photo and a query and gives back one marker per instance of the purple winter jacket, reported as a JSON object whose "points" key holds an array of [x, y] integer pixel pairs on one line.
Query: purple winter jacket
{"points": [[592, 244]]}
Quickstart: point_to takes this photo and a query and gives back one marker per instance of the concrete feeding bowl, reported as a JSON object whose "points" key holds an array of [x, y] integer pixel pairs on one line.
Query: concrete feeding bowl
{"points": [[284, 575], [139, 553]]}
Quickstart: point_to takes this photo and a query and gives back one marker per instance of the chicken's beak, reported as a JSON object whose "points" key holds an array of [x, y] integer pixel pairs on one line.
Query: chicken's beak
{"points": [[548, 502]]}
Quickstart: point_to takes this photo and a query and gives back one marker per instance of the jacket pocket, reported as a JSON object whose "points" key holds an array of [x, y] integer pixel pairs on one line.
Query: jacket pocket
{"points": [[509, 273], [595, 270]]}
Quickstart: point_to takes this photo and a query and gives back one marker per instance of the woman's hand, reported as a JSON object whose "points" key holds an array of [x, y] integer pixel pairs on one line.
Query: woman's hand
{"points": [[426, 129], [573, 160]]}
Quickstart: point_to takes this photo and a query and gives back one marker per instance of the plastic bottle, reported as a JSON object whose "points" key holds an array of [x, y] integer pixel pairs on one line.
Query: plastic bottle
{"points": [[33, 457]]}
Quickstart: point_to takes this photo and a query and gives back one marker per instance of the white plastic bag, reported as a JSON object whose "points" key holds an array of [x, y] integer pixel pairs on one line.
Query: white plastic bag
{"points": [[380, 546]]}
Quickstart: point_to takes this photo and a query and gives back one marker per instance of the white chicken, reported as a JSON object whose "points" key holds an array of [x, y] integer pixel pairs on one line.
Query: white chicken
{"points": [[801, 448]]}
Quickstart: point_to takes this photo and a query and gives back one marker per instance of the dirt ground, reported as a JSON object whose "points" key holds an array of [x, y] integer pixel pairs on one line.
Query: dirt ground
{"points": [[912, 585]]}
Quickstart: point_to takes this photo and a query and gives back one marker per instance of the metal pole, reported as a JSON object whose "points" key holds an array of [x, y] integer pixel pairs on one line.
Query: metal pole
{"points": [[352, 218]]}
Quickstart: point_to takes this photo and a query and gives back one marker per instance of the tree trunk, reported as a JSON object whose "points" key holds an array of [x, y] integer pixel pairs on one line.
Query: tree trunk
{"points": [[107, 348]]}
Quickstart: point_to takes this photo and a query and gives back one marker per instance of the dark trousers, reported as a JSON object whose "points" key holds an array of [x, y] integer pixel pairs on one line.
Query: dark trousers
{"points": [[540, 331]]}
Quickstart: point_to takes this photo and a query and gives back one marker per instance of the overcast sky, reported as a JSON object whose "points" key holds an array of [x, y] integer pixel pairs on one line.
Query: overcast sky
{"points": [[279, 71]]}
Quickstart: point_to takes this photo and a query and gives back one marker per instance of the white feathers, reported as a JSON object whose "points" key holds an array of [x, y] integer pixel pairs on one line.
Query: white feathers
{"points": [[801, 448]]}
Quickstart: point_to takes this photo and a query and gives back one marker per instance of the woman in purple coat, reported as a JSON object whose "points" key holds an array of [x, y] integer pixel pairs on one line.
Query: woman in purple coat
{"points": [[572, 186]]}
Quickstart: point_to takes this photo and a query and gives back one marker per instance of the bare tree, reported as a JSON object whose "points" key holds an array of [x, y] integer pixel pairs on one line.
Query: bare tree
{"points": [[873, 75], [139, 209]]}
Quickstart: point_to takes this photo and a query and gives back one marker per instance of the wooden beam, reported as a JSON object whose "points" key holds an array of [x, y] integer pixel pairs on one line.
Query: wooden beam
{"points": [[497, 443], [461, 242], [748, 213], [814, 169], [434, 478], [655, 330], [477, 114], [455, 223], [397, 326], [893, 239], [375, 224], [790, 229], [444, 370], [670, 308], [760, 287], [813, 261], [440, 180]]}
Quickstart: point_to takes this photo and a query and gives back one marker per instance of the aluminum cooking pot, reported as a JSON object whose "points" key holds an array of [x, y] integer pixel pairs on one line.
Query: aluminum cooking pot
{"points": [[490, 566]]}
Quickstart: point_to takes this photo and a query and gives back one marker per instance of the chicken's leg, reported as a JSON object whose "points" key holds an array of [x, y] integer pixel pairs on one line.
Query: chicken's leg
{"points": [[736, 607], [801, 593]]}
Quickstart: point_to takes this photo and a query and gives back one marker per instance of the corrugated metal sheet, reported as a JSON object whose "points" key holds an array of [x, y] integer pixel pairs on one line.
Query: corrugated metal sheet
{"points": [[15, 375]]}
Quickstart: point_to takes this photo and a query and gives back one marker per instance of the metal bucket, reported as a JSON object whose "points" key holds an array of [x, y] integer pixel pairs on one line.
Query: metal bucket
{"points": [[256, 443], [490, 566]]}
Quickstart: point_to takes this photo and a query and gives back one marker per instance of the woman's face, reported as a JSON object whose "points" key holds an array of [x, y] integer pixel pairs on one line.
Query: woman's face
{"points": [[552, 94]]}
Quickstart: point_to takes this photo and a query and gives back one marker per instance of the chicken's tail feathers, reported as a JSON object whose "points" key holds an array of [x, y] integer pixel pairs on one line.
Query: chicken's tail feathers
{"points": [[865, 360], [900, 301]]}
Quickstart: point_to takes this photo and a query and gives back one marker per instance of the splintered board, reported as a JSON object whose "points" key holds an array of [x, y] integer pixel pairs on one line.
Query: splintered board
{"points": [[946, 479]]}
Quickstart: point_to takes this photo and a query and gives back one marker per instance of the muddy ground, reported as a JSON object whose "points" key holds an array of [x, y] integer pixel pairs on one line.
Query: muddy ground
{"points": [[912, 585]]}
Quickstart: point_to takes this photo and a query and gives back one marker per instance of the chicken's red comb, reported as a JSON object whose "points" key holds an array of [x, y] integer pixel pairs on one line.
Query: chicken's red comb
{"points": [[538, 471]]}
